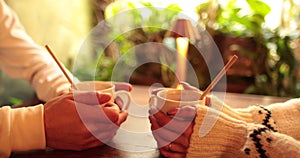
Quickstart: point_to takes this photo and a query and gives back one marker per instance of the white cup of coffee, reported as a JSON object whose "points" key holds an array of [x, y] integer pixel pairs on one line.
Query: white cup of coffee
{"points": [[105, 87], [168, 99]]}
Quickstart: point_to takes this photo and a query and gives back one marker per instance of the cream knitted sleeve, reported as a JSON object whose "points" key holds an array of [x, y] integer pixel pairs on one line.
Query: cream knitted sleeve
{"points": [[21, 129], [283, 117], [230, 137]]}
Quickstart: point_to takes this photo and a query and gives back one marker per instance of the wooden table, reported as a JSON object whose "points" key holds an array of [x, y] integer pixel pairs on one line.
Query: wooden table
{"points": [[135, 140]]}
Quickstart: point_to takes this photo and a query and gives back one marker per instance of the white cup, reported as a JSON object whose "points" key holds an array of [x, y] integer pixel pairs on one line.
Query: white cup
{"points": [[168, 99], [105, 87]]}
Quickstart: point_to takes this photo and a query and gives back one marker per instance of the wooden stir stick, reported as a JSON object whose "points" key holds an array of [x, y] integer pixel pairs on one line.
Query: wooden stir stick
{"points": [[60, 66], [219, 76]]}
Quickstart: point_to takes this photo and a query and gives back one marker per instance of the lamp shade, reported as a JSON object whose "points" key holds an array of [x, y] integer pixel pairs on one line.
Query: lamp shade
{"points": [[183, 28]]}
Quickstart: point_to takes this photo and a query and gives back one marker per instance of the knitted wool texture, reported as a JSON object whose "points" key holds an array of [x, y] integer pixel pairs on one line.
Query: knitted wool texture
{"points": [[230, 137], [279, 117]]}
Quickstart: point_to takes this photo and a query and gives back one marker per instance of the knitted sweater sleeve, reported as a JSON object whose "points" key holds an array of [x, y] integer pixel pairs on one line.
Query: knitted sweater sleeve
{"points": [[229, 137], [21, 129]]}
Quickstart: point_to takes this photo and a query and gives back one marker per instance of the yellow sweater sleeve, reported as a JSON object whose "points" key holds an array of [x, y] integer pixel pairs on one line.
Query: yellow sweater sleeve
{"points": [[21, 129]]}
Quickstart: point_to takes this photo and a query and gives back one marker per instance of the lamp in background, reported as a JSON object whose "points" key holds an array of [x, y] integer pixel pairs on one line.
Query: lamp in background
{"points": [[182, 31]]}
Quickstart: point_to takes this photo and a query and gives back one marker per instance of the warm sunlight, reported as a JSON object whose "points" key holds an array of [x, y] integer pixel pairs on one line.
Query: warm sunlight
{"points": [[188, 8]]}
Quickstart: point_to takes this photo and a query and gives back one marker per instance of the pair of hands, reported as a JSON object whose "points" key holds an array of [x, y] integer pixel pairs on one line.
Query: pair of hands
{"points": [[173, 131], [66, 128], [75, 121]]}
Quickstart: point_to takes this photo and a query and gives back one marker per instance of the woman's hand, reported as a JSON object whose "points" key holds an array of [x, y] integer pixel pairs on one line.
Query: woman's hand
{"points": [[81, 120], [172, 131]]}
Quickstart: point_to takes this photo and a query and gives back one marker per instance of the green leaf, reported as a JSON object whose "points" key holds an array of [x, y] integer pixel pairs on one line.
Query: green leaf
{"points": [[259, 7], [14, 100]]}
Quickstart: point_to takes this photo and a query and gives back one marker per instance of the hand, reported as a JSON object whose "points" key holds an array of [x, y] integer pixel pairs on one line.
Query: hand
{"points": [[77, 122], [173, 131]]}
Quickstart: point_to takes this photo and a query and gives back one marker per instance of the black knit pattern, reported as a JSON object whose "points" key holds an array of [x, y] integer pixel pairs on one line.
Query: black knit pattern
{"points": [[257, 143], [266, 121]]}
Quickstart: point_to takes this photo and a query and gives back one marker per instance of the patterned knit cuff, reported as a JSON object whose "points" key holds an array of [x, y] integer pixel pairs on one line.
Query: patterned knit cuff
{"points": [[286, 117], [262, 142]]}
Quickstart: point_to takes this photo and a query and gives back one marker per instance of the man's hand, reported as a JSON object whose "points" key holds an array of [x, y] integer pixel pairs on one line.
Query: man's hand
{"points": [[81, 120]]}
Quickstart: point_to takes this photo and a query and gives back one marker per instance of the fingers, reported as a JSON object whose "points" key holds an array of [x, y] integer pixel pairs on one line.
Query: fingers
{"points": [[112, 113], [91, 98], [177, 146], [122, 86], [122, 118], [173, 150], [109, 113], [183, 113], [113, 106], [180, 137], [168, 135], [170, 123], [103, 97]]}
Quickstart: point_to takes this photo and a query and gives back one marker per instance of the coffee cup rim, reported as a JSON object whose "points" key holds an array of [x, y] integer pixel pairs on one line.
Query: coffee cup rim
{"points": [[176, 101], [97, 82]]}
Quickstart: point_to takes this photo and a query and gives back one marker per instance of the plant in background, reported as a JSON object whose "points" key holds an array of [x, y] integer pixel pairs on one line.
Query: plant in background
{"points": [[234, 19], [144, 23], [242, 21], [126, 25], [148, 23], [276, 75], [281, 67], [14, 91]]}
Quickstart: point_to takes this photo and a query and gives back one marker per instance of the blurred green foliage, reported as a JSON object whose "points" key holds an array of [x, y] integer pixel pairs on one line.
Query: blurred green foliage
{"points": [[144, 22], [279, 79], [14, 91], [281, 67]]}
